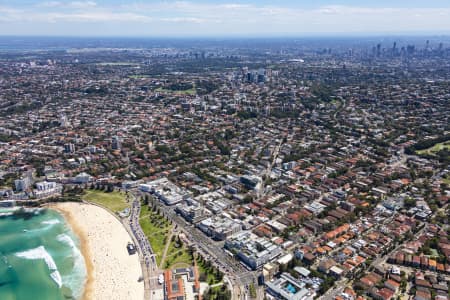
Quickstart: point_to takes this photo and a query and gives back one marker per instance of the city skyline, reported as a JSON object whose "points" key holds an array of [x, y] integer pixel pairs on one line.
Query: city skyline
{"points": [[222, 18]]}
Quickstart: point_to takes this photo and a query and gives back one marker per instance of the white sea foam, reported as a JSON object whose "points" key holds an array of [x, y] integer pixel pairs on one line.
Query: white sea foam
{"points": [[38, 253], [64, 238], [51, 222], [35, 211], [46, 225], [57, 278], [41, 253], [6, 214], [77, 277]]}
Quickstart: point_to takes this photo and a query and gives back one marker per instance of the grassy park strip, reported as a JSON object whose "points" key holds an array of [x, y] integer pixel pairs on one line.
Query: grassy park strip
{"points": [[114, 201], [208, 272], [157, 229]]}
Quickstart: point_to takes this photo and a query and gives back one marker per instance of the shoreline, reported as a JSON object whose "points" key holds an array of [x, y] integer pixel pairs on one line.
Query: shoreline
{"points": [[111, 272], [84, 249]]}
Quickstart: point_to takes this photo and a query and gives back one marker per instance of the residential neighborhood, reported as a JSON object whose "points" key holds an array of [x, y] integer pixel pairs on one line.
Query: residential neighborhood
{"points": [[284, 172]]}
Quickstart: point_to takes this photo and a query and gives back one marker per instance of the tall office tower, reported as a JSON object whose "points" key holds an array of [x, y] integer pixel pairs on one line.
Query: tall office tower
{"points": [[269, 74], [261, 77]]}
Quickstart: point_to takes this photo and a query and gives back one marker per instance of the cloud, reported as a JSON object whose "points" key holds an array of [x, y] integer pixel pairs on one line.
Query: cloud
{"points": [[184, 20], [8, 14], [90, 17], [227, 18], [49, 4], [352, 10], [72, 4], [82, 4], [106, 17], [235, 6]]}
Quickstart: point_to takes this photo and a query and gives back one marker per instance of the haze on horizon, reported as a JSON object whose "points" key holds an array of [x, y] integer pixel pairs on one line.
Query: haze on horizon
{"points": [[200, 18]]}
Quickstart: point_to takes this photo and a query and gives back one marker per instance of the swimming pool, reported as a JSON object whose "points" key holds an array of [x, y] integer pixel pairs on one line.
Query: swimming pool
{"points": [[291, 288]]}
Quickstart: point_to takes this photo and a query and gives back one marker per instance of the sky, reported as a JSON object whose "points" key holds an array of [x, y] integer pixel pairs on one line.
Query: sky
{"points": [[223, 18]]}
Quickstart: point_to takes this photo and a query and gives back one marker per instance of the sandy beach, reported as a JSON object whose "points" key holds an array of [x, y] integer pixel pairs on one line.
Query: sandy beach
{"points": [[112, 272]]}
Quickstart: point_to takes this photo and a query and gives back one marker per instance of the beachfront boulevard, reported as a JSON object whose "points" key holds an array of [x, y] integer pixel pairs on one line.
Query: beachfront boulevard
{"points": [[150, 268]]}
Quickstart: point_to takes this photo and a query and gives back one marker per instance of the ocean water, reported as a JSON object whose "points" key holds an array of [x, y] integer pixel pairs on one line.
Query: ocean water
{"points": [[39, 257]]}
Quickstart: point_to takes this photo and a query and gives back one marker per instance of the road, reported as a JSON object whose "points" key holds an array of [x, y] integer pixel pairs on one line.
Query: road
{"points": [[381, 259], [213, 251], [275, 155], [341, 284], [150, 268], [332, 293], [268, 170]]}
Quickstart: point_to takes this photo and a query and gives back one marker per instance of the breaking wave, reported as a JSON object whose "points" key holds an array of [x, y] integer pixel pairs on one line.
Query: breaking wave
{"points": [[51, 222], [6, 214], [41, 253], [79, 268]]}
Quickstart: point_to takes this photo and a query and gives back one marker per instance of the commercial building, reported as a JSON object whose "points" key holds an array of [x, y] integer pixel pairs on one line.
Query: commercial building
{"points": [[288, 288], [215, 202], [181, 284], [82, 178], [219, 227], [173, 287], [252, 250], [45, 185], [165, 190], [47, 189], [192, 213], [251, 182]]}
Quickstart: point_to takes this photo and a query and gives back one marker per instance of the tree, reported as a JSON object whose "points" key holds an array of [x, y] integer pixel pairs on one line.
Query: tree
{"points": [[409, 202], [145, 200], [109, 188], [252, 290]]}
